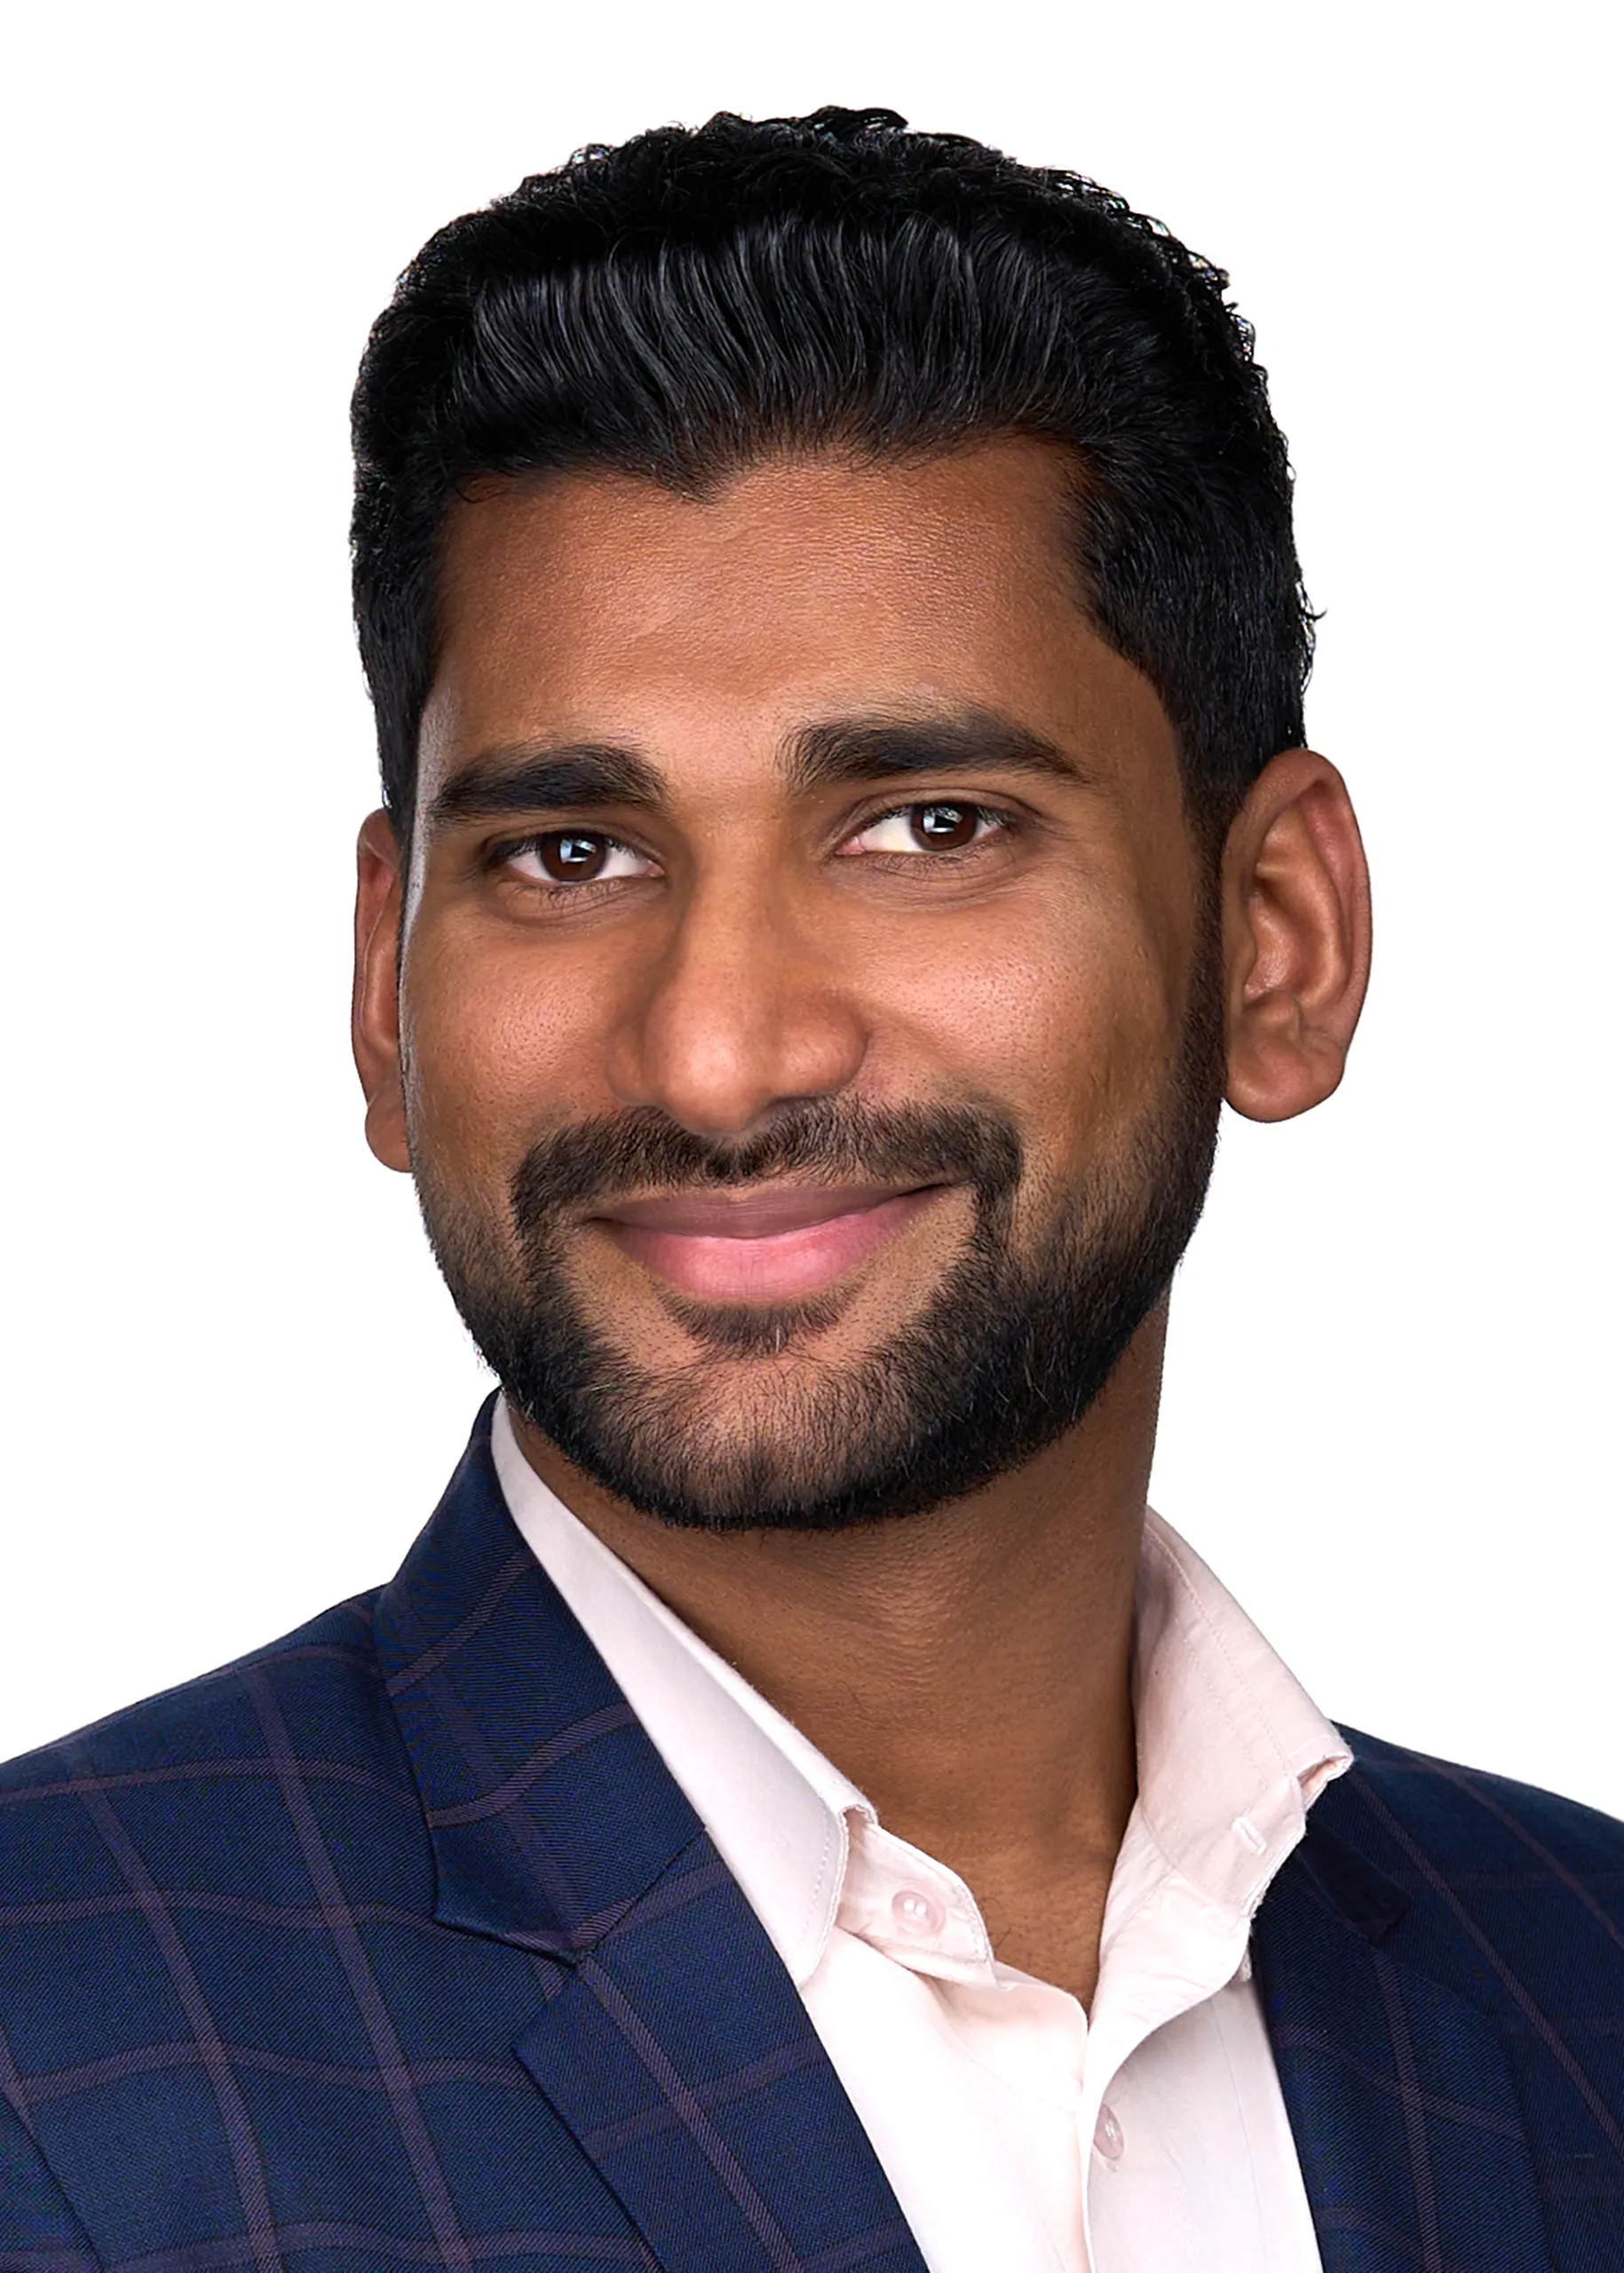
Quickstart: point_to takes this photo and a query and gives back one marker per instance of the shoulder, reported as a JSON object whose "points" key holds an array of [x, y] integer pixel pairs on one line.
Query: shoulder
{"points": [[329, 1661], [1508, 1891], [1461, 1819], [195, 1785]]}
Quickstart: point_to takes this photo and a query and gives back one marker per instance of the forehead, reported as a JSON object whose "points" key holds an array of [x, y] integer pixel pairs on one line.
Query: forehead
{"points": [[600, 604]]}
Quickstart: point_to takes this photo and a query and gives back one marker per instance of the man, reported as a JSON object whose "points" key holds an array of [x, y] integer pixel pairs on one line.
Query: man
{"points": [[829, 599]]}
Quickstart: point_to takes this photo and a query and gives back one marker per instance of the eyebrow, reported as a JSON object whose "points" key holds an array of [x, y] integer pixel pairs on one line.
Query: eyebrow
{"points": [[555, 777], [841, 753], [848, 752]]}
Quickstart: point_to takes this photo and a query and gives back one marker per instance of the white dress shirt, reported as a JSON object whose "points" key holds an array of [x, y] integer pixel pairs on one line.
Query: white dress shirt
{"points": [[1020, 2134]]}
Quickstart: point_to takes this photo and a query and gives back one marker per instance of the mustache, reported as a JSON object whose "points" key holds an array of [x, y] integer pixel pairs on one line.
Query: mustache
{"points": [[615, 1155]]}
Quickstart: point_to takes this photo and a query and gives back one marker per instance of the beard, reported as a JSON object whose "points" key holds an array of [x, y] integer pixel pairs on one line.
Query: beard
{"points": [[1009, 1350]]}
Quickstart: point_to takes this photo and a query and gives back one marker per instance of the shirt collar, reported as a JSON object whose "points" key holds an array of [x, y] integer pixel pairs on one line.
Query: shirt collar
{"points": [[1232, 1752]]}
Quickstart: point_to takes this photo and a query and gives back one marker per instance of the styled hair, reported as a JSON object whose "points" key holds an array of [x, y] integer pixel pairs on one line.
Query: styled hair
{"points": [[698, 297]]}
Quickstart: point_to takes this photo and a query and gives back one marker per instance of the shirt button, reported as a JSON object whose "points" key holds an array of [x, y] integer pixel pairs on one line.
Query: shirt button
{"points": [[918, 1913], [1108, 2135]]}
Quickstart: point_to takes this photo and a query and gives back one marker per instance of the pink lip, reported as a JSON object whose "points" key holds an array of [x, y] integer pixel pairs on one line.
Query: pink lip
{"points": [[770, 1245]]}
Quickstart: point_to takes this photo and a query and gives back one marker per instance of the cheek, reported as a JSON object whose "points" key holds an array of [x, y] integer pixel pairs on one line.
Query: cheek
{"points": [[1069, 1022], [494, 1049]]}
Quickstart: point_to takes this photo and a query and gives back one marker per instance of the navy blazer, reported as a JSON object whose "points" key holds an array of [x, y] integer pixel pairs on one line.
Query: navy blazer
{"points": [[395, 1944]]}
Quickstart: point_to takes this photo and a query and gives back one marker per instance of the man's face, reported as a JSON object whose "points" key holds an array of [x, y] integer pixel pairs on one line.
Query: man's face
{"points": [[809, 1018]]}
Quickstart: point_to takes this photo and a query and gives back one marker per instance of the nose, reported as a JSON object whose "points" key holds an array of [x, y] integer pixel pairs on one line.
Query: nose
{"points": [[739, 1013]]}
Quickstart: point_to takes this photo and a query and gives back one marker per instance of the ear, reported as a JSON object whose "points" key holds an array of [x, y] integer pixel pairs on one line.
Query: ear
{"points": [[1297, 931], [375, 1018]]}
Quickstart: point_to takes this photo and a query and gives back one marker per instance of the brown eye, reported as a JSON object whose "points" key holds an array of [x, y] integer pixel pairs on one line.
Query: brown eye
{"points": [[555, 857], [943, 829], [571, 856], [932, 825]]}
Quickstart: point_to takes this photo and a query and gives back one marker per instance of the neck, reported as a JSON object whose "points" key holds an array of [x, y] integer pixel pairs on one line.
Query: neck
{"points": [[969, 1669]]}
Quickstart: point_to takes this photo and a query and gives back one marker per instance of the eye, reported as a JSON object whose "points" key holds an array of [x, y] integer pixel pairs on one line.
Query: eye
{"points": [[942, 825], [576, 856]]}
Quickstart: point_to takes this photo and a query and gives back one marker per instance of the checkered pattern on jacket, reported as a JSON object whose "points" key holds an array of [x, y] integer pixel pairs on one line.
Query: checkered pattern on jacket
{"points": [[1442, 1975], [395, 1944]]}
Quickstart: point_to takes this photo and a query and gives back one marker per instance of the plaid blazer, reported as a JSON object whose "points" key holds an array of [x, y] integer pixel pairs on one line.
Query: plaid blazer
{"points": [[395, 1946]]}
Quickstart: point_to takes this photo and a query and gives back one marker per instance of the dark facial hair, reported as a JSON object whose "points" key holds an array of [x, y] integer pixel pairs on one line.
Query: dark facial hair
{"points": [[1007, 1353]]}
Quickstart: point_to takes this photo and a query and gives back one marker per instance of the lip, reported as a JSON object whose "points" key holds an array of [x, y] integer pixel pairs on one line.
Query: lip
{"points": [[775, 1244]]}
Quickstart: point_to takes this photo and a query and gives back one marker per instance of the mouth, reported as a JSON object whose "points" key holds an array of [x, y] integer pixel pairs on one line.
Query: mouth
{"points": [[775, 1244]]}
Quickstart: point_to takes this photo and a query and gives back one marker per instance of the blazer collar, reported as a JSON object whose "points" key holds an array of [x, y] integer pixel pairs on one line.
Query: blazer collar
{"points": [[549, 1809], [670, 2041], [1406, 2122]]}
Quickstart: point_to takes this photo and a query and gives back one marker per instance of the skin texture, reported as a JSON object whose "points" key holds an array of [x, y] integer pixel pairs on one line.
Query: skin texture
{"points": [[761, 942]]}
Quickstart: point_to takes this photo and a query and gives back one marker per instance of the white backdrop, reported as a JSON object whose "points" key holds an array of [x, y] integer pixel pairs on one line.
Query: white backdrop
{"points": [[235, 1385]]}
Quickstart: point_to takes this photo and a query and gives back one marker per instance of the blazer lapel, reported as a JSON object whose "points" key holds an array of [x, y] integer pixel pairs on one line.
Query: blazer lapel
{"points": [[672, 2042], [1407, 2124], [682, 2058]]}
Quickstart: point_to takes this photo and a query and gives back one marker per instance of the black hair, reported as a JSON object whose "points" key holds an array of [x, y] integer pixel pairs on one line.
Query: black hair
{"points": [[680, 304]]}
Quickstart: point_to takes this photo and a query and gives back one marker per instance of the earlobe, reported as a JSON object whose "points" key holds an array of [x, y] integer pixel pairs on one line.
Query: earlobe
{"points": [[374, 1026], [1296, 921]]}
